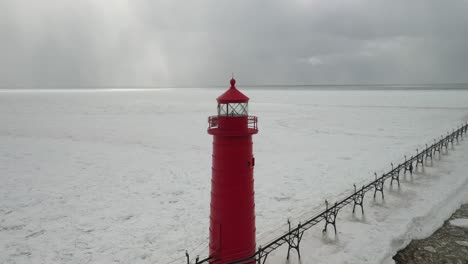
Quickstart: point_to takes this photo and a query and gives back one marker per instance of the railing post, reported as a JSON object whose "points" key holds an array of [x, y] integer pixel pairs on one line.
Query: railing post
{"points": [[428, 152], [419, 159], [294, 239], [261, 256], [450, 138], [379, 185], [358, 198], [330, 216], [409, 166], [395, 176]]}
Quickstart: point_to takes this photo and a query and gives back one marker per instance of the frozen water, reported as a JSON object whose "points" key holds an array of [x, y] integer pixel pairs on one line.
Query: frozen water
{"points": [[124, 176]]}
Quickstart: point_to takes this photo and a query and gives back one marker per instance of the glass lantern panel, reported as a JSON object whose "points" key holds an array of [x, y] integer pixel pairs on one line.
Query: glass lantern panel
{"points": [[233, 109], [237, 109], [222, 109]]}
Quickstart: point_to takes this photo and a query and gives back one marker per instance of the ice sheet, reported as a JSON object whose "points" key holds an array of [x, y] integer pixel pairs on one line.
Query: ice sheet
{"points": [[124, 176]]}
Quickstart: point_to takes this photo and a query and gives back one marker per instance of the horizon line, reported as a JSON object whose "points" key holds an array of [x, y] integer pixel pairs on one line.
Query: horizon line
{"points": [[117, 87]]}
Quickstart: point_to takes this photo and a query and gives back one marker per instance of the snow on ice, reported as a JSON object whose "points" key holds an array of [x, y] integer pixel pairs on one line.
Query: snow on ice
{"points": [[124, 176]]}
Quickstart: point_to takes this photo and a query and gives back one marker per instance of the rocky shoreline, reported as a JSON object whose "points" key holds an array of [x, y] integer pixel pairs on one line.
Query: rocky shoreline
{"points": [[449, 244]]}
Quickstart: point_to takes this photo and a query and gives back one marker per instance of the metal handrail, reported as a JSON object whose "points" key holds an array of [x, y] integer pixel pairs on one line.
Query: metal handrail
{"points": [[252, 122], [213, 122]]}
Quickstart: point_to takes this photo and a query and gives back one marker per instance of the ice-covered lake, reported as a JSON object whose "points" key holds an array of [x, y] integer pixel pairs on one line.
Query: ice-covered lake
{"points": [[124, 176]]}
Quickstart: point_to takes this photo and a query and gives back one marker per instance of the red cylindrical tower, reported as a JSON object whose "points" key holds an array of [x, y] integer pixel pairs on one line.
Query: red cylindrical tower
{"points": [[232, 216]]}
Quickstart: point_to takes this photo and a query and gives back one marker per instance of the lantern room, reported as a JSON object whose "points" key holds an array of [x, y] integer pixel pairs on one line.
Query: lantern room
{"points": [[233, 115]]}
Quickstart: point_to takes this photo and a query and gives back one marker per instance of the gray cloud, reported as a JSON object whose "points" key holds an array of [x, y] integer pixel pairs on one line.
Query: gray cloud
{"points": [[198, 43]]}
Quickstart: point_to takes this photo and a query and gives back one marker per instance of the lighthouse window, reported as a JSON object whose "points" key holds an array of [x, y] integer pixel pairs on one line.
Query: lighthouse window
{"points": [[222, 109], [233, 109]]}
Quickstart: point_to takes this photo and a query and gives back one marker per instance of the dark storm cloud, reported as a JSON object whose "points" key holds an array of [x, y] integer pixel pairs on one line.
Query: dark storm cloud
{"points": [[199, 43]]}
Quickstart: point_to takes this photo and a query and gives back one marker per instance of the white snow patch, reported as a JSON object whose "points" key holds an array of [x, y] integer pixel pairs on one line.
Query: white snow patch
{"points": [[430, 249], [460, 222], [462, 243]]}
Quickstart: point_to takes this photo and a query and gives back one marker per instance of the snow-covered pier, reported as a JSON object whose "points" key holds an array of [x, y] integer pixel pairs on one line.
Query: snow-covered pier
{"points": [[292, 238]]}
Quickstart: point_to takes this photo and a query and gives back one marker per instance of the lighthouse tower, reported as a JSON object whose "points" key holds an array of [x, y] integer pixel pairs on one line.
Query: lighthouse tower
{"points": [[232, 216]]}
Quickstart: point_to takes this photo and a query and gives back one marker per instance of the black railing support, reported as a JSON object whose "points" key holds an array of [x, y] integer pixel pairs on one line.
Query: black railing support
{"points": [[395, 175], [330, 216], [436, 147], [358, 198], [428, 152], [379, 185], [444, 143], [450, 138], [294, 239], [409, 165], [419, 158], [262, 256]]}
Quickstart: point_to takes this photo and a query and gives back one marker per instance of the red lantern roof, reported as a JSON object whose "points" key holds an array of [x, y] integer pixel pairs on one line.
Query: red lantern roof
{"points": [[232, 95]]}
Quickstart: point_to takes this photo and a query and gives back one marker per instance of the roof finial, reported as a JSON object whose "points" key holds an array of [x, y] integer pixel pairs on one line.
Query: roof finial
{"points": [[233, 81]]}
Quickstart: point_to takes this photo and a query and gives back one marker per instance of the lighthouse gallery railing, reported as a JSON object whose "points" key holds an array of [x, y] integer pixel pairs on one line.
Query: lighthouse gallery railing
{"points": [[213, 122], [294, 235]]}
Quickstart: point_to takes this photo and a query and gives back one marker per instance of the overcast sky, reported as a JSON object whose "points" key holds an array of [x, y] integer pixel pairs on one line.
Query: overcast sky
{"points": [[65, 43]]}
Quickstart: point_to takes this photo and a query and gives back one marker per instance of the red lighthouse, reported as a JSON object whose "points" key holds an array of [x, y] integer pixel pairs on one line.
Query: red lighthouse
{"points": [[232, 216]]}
